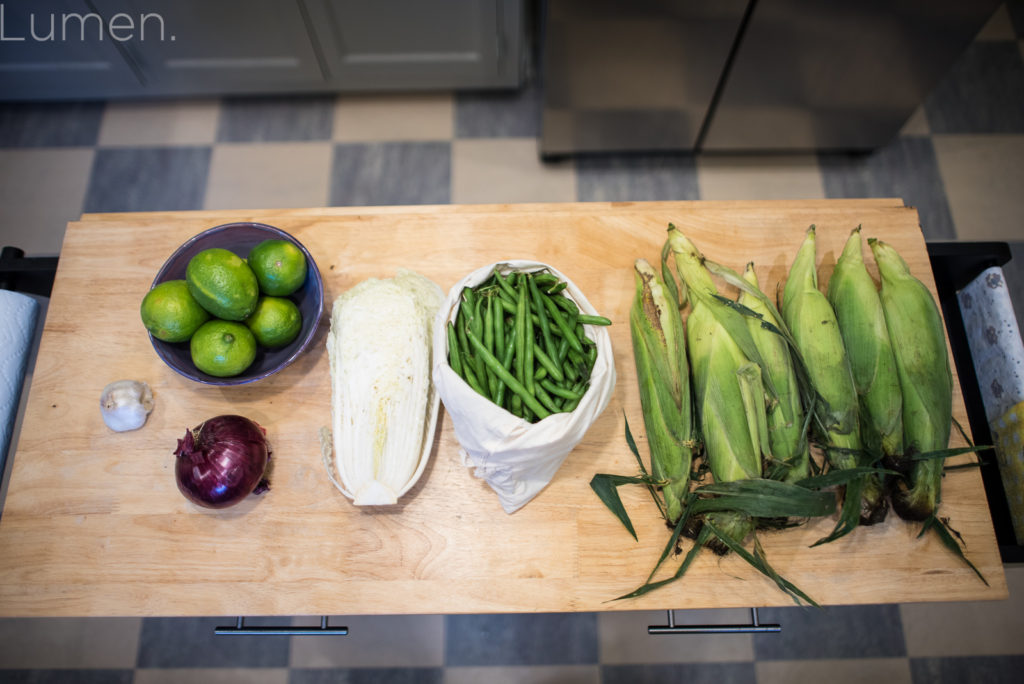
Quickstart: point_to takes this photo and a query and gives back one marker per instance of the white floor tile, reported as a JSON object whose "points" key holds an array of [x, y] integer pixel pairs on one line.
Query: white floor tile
{"points": [[227, 675], [507, 170], [40, 191], [172, 122], [269, 175], [548, 674], [759, 177], [623, 638], [851, 671], [373, 641], [982, 176], [376, 118]]}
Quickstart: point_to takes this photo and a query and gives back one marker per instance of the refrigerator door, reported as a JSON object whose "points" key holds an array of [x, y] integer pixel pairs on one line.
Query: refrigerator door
{"points": [[844, 74], [632, 76]]}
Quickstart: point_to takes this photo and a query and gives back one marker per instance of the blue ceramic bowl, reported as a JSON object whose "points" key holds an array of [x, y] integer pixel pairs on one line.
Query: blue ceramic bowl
{"points": [[240, 238]]}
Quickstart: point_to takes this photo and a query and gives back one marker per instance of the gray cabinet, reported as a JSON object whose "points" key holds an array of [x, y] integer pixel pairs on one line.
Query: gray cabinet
{"points": [[142, 48], [43, 54], [414, 45]]}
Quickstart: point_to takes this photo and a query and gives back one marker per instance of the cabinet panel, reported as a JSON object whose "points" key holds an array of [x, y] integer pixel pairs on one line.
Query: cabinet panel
{"points": [[221, 47], [391, 44], [59, 48]]}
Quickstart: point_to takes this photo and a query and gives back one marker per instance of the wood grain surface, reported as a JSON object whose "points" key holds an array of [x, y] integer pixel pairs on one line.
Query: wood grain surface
{"points": [[94, 525]]}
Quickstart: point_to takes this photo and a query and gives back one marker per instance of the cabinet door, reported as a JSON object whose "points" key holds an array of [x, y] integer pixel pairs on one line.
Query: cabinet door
{"points": [[53, 49], [219, 46], [419, 44]]}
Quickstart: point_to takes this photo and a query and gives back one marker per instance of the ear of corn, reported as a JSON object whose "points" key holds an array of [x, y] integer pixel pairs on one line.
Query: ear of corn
{"points": [[663, 374], [731, 436], [922, 362], [854, 296], [785, 415], [815, 330]]}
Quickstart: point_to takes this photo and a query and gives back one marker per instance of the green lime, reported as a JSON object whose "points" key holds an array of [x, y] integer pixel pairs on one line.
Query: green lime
{"points": [[170, 313], [223, 348], [279, 266], [275, 322], [222, 283]]}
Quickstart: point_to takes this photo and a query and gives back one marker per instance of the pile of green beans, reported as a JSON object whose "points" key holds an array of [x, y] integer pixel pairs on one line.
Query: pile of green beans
{"points": [[519, 342]]}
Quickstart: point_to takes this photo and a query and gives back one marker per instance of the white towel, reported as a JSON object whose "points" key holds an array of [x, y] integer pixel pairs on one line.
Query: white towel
{"points": [[17, 326]]}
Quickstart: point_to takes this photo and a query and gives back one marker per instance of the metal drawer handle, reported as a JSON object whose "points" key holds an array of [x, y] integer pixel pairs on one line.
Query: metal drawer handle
{"points": [[239, 628], [755, 627]]}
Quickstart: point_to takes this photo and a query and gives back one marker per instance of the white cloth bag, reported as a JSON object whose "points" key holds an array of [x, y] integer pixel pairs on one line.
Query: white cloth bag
{"points": [[516, 458]]}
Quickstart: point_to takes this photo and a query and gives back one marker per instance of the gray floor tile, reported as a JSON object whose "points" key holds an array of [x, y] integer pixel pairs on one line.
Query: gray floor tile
{"points": [[101, 643], [276, 119], [73, 124], [368, 675], [499, 114], [191, 643], [148, 179], [391, 173], [531, 674], [542, 639], [66, 676], [974, 670], [852, 632], [636, 178], [983, 93], [708, 673], [905, 168]]}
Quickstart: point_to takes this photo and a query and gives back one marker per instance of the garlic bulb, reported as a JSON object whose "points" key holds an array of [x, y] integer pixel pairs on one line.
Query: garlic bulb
{"points": [[126, 404]]}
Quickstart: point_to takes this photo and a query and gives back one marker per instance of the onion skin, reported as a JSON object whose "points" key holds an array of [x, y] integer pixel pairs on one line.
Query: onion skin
{"points": [[221, 461]]}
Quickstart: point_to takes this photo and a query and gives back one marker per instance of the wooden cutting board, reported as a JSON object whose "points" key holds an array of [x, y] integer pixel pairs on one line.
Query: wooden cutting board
{"points": [[94, 525]]}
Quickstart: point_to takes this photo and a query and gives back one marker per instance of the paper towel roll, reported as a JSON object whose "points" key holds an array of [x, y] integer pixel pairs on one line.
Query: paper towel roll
{"points": [[17, 326]]}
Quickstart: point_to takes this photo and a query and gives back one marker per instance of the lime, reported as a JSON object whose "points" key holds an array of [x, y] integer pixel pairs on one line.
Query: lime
{"points": [[222, 283], [275, 322], [279, 266], [223, 348], [170, 313]]}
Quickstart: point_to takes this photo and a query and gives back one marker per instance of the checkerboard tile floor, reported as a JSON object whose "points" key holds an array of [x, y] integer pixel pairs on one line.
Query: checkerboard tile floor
{"points": [[959, 160]]}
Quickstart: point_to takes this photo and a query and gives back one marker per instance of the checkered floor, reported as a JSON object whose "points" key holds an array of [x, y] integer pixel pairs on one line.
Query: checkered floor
{"points": [[959, 160]]}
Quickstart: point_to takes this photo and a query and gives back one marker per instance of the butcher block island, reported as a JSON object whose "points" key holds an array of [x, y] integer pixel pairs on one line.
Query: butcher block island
{"points": [[94, 525]]}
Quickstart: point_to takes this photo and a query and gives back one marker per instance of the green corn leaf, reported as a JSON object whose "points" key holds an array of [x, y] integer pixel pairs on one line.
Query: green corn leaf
{"points": [[759, 563], [606, 488], [841, 477], [666, 274], [762, 498], [947, 453], [652, 488], [945, 534], [698, 545], [674, 539], [849, 516]]}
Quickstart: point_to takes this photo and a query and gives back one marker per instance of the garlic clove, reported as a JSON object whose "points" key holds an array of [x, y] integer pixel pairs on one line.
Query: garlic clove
{"points": [[126, 404]]}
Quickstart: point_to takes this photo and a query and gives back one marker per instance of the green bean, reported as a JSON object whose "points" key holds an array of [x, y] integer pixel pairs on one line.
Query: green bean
{"points": [[454, 360], [563, 348], [468, 298], [546, 400], [528, 399], [545, 279], [560, 322], [593, 320], [560, 391], [540, 374], [505, 287], [548, 363], [492, 381], [528, 362], [473, 382], [506, 363], [557, 288], [542, 315], [568, 305]]}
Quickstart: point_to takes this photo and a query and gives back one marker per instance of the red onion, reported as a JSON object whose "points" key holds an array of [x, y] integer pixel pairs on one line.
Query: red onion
{"points": [[222, 461]]}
